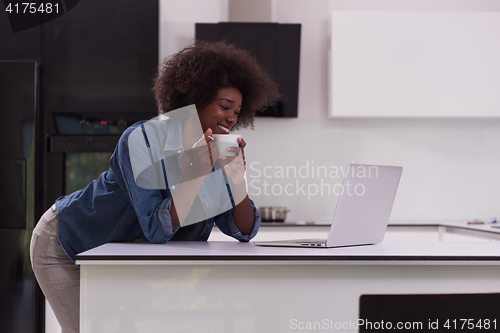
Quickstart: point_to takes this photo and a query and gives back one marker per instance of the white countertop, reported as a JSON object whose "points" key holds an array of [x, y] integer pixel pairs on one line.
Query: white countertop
{"points": [[408, 253], [487, 227]]}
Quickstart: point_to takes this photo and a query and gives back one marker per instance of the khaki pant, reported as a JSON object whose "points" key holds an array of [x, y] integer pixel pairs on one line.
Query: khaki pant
{"points": [[57, 275]]}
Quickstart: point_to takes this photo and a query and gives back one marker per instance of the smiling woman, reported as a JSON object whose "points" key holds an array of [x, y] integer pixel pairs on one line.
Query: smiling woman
{"points": [[214, 86], [228, 87]]}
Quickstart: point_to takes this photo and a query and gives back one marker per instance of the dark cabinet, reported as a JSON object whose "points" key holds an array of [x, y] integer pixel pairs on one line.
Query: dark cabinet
{"points": [[101, 57]]}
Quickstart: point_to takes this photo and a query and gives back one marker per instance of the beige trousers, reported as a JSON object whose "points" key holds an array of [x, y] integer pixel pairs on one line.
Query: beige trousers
{"points": [[57, 275]]}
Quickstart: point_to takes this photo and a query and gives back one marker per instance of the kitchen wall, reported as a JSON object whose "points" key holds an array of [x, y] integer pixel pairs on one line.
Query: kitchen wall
{"points": [[450, 165]]}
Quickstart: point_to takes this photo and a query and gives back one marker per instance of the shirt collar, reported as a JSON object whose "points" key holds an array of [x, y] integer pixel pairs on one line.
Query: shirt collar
{"points": [[174, 135], [174, 124]]}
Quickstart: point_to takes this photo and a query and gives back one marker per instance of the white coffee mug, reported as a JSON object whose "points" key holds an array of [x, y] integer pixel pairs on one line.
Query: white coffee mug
{"points": [[223, 141]]}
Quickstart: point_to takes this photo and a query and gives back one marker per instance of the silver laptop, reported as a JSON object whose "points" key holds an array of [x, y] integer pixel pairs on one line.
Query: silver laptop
{"points": [[363, 208]]}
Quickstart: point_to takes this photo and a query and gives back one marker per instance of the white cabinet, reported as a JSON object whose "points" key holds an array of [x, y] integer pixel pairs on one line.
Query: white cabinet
{"points": [[414, 64]]}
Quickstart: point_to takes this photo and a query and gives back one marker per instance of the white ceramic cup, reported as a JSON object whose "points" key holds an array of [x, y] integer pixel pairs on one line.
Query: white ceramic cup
{"points": [[223, 141]]}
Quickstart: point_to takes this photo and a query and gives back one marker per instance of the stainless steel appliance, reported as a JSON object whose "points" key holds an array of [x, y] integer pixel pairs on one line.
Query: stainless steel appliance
{"points": [[273, 214]]}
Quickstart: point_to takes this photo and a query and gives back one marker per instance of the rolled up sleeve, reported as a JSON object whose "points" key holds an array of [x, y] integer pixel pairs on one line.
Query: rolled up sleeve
{"points": [[225, 222]]}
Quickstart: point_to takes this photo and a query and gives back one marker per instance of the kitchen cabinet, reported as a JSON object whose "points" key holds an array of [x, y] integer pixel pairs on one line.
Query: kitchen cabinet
{"points": [[240, 287], [409, 64]]}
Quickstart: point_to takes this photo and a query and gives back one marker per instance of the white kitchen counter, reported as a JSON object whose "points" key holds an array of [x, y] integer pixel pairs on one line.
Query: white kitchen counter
{"points": [[239, 287], [486, 227], [405, 253]]}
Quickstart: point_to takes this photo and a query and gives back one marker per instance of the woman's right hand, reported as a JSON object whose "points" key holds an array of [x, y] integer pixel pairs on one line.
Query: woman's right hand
{"points": [[199, 161]]}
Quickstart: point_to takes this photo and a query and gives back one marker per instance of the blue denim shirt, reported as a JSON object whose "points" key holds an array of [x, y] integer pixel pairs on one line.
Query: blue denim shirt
{"points": [[114, 208]]}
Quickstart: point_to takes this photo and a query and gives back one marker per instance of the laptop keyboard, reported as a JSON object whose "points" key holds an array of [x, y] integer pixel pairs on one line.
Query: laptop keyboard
{"points": [[312, 243]]}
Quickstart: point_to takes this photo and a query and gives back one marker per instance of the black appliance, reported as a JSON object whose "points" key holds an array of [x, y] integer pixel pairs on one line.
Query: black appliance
{"points": [[276, 47], [21, 307], [101, 57], [99, 61]]}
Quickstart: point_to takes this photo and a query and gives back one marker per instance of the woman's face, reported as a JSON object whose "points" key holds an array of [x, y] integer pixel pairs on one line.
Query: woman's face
{"points": [[221, 115]]}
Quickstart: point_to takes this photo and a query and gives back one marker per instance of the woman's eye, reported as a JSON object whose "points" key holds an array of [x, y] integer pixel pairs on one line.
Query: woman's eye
{"points": [[224, 107]]}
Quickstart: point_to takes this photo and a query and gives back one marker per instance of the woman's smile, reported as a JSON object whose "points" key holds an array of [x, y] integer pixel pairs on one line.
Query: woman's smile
{"points": [[223, 128]]}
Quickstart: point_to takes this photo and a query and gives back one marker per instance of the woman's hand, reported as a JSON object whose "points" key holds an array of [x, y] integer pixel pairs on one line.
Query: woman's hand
{"points": [[199, 161], [234, 167]]}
